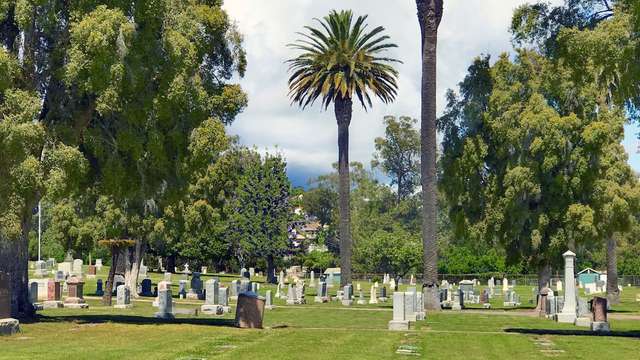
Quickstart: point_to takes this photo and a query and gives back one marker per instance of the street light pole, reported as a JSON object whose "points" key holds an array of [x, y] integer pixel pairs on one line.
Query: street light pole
{"points": [[39, 227]]}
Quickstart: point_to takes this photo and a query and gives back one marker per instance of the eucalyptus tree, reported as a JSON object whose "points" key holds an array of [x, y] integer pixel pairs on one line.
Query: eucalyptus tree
{"points": [[429, 17], [397, 154], [338, 61]]}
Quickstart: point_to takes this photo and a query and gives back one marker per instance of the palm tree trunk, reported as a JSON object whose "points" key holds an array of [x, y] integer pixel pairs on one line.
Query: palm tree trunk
{"points": [[613, 293], [343, 110], [429, 16]]}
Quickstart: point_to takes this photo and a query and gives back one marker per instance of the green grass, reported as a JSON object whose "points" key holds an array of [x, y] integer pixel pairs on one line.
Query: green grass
{"points": [[312, 331]]}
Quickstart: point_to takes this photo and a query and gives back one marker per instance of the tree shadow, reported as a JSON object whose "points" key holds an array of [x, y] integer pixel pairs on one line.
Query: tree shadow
{"points": [[571, 332], [132, 319]]}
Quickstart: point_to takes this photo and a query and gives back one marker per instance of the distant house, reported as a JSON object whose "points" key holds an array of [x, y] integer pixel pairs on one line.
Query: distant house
{"points": [[588, 276], [336, 274]]}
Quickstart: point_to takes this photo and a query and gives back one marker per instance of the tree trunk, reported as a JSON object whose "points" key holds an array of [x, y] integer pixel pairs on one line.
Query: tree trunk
{"points": [[343, 111], [429, 16], [613, 293], [106, 298], [14, 260], [271, 277], [134, 266], [544, 275], [171, 263]]}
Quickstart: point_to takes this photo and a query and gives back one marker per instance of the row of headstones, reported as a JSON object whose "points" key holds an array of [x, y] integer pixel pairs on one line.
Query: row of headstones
{"points": [[408, 307], [455, 299], [50, 292]]}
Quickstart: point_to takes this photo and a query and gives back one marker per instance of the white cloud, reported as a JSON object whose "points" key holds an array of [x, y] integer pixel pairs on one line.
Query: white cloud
{"points": [[308, 138]]}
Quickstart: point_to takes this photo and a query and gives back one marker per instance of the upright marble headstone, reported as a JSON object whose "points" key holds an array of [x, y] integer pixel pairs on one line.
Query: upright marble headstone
{"points": [[348, 295], [165, 303], [77, 267], [312, 276], [123, 299], [291, 295], [211, 303], [99, 264], [252, 272], [233, 289], [268, 300], [41, 268], [568, 314], [399, 322], [223, 298]]}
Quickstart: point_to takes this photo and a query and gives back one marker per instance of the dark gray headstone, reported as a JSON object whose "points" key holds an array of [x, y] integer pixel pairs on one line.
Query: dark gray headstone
{"points": [[146, 288], [5, 296]]}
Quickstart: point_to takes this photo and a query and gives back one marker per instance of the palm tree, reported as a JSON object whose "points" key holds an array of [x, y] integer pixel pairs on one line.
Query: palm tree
{"points": [[429, 16], [338, 60]]}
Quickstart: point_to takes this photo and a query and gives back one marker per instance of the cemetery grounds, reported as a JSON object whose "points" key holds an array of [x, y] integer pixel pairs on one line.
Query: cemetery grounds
{"points": [[316, 331]]}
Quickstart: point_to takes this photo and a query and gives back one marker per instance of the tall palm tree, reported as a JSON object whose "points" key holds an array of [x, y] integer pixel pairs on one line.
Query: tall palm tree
{"points": [[429, 16], [337, 60]]}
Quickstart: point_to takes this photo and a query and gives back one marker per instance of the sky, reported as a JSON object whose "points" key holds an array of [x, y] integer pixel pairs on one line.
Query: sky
{"points": [[308, 138]]}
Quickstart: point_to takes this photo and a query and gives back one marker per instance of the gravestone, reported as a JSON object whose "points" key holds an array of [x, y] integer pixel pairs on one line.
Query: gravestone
{"points": [[361, 300], [373, 295], [599, 312], [399, 322], [195, 293], [252, 272], [167, 276], [268, 300], [568, 314], [75, 298], [59, 276], [117, 281], [250, 311], [291, 295], [223, 298], [41, 268], [165, 302], [146, 288], [99, 289], [233, 289], [420, 313], [33, 292], [51, 263], [77, 267], [300, 290], [383, 294], [182, 289], [143, 271], [542, 302], [99, 264], [583, 315], [322, 294], [54, 295], [410, 304], [347, 299], [65, 267], [312, 277], [211, 301], [123, 300], [91, 272]]}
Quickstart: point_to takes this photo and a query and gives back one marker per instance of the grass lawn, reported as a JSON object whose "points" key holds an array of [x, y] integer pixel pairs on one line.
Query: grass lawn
{"points": [[313, 331]]}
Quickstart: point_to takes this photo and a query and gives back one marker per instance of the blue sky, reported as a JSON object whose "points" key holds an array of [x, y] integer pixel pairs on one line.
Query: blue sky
{"points": [[308, 139]]}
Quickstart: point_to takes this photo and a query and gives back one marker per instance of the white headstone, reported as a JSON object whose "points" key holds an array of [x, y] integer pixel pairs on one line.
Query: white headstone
{"points": [[568, 314]]}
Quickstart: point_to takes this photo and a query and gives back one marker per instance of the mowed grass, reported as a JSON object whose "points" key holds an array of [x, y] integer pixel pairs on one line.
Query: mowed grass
{"points": [[311, 331]]}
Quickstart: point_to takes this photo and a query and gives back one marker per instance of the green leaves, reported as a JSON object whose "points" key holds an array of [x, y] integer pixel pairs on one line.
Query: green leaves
{"points": [[341, 60]]}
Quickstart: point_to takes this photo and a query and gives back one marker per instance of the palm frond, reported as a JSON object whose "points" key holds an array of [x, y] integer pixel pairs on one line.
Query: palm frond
{"points": [[340, 59]]}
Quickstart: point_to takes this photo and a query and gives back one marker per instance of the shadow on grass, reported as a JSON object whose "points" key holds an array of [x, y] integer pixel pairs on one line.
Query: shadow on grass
{"points": [[131, 319], [626, 334]]}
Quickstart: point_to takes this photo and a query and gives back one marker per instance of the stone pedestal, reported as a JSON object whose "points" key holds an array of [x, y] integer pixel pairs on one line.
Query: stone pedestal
{"points": [[75, 300], [9, 326], [568, 314], [399, 322]]}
